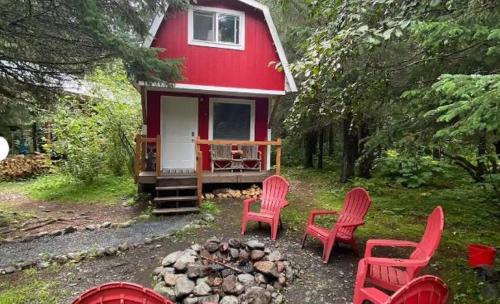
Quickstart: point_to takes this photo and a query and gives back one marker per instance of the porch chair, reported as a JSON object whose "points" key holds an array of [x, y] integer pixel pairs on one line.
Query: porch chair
{"points": [[391, 273], [251, 157], [221, 157], [422, 290], [273, 199], [356, 204], [120, 292]]}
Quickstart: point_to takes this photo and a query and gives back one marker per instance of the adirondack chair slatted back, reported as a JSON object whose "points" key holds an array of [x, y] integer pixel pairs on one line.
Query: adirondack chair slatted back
{"points": [[274, 191], [221, 151], [425, 289], [356, 205], [249, 151], [430, 240]]}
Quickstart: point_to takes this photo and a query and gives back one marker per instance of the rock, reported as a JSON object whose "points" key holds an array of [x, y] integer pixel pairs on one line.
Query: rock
{"points": [[126, 224], [280, 266], [216, 281], [278, 299], [224, 247], [56, 232], [171, 258], [235, 243], [169, 279], [213, 239], [182, 262], [256, 255], [61, 259], [69, 229], [195, 271], [257, 295], [266, 267], [106, 225], [196, 247], [9, 269], [234, 253], [111, 250], [158, 271], [123, 247], [289, 272], [229, 300], [202, 289], [229, 284], [43, 264], [191, 300], [207, 217], [209, 299], [282, 279], [243, 255], [260, 278], [168, 270], [274, 256], [165, 291], [41, 234], [212, 246], [183, 287], [246, 279], [254, 244], [90, 227]]}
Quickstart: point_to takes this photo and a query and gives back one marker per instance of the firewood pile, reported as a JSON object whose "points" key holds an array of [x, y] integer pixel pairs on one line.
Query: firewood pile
{"points": [[21, 166], [252, 192]]}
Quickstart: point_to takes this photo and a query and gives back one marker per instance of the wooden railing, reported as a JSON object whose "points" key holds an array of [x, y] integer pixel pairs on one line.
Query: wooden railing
{"points": [[142, 144], [199, 155]]}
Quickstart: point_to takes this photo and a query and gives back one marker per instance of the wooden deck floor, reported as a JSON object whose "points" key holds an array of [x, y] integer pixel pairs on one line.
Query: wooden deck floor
{"points": [[146, 177]]}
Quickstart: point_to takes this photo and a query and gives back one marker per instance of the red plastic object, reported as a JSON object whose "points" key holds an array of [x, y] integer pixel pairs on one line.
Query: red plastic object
{"points": [[422, 290], [275, 189], [356, 205], [121, 293], [392, 274], [480, 255]]}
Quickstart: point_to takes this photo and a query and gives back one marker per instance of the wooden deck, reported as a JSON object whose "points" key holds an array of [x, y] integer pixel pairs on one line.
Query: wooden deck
{"points": [[149, 177]]}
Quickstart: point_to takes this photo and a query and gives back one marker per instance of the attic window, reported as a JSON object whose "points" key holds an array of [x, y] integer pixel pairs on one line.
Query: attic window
{"points": [[216, 27]]}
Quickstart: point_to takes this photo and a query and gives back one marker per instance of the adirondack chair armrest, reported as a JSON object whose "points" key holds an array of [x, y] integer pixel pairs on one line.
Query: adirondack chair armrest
{"points": [[395, 262], [284, 203], [370, 244], [314, 213], [248, 202]]}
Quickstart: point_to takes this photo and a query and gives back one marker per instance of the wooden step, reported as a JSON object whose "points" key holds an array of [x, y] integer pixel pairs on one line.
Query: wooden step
{"points": [[173, 188], [175, 199], [176, 210], [176, 181]]}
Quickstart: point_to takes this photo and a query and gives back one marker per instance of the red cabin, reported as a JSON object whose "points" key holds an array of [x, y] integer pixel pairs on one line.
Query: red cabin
{"points": [[213, 126]]}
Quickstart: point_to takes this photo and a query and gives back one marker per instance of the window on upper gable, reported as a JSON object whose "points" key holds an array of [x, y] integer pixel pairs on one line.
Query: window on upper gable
{"points": [[215, 27]]}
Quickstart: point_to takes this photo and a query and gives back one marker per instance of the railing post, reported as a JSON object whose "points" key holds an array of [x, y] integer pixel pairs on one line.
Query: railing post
{"points": [[278, 157], [199, 170], [158, 155], [138, 158]]}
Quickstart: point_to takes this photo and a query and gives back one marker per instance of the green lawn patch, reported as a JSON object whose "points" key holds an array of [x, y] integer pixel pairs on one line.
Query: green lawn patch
{"points": [[64, 188], [471, 216], [33, 290]]}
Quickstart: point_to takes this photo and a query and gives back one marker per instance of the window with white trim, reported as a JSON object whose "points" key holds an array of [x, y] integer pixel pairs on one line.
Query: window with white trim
{"points": [[216, 27], [232, 120]]}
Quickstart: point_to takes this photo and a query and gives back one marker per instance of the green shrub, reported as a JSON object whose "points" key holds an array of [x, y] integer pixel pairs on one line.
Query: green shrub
{"points": [[409, 171]]}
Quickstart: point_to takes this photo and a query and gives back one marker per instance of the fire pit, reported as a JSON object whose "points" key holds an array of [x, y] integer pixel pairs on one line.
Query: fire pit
{"points": [[229, 272]]}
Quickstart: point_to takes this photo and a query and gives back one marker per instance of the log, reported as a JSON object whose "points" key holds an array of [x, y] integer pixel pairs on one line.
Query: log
{"points": [[222, 264]]}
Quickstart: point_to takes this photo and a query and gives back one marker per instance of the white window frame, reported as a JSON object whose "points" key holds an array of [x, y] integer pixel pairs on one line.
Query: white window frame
{"points": [[217, 44], [234, 101]]}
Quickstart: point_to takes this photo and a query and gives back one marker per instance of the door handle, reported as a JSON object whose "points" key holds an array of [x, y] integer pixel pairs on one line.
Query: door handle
{"points": [[192, 133]]}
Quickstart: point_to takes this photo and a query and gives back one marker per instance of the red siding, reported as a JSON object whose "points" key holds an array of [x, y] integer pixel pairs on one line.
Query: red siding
{"points": [[153, 106], [223, 67]]}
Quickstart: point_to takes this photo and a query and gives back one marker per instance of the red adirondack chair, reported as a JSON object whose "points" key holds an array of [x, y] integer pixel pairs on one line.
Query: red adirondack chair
{"points": [[391, 274], [120, 293], [422, 290], [273, 199], [356, 205]]}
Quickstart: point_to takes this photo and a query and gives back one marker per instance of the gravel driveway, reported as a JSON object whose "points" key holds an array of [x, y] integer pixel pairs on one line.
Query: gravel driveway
{"points": [[11, 253]]}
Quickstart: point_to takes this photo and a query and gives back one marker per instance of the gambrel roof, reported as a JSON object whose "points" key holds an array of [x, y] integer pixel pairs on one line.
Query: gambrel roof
{"points": [[290, 82]]}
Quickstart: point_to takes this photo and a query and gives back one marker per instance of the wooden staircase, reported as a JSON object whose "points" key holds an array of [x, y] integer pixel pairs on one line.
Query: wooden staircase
{"points": [[176, 194]]}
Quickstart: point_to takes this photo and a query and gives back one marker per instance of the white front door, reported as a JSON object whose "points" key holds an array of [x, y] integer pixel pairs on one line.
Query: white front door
{"points": [[179, 132]]}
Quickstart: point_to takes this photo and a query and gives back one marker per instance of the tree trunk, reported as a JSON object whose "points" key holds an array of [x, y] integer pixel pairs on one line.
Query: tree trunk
{"points": [[34, 136], [331, 140], [481, 152], [320, 148], [349, 149], [367, 158], [309, 147]]}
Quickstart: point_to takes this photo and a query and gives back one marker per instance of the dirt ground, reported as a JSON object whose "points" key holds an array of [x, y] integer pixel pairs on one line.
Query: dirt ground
{"points": [[49, 216], [315, 282]]}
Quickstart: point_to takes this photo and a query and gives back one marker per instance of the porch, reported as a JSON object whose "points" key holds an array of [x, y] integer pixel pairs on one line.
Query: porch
{"points": [[181, 190]]}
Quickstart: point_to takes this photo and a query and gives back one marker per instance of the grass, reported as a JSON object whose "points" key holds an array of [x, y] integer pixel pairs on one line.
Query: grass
{"points": [[64, 188], [471, 215], [34, 290]]}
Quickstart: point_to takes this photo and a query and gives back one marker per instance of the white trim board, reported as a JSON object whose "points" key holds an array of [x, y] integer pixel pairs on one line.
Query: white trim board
{"points": [[216, 90], [230, 100], [289, 81]]}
